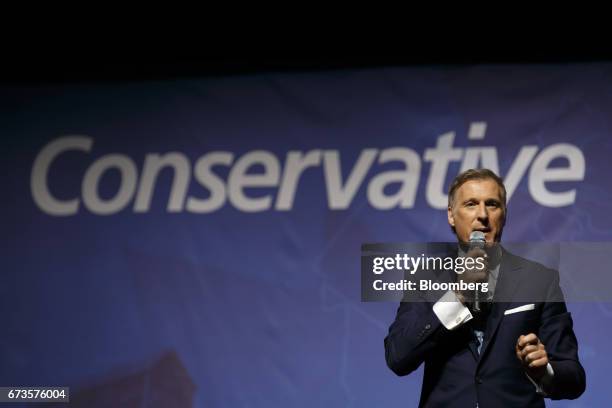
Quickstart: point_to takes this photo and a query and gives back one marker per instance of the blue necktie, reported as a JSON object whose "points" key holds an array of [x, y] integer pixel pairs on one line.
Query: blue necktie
{"points": [[480, 337]]}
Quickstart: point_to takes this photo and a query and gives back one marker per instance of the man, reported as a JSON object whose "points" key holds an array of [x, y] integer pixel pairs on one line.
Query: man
{"points": [[505, 353]]}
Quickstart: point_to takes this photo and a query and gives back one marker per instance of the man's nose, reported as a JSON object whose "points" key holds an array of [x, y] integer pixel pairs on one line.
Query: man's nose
{"points": [[483, 214]]}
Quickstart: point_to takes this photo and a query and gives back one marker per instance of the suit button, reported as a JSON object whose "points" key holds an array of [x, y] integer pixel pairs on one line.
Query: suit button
{"points": [[427, 326], [478, 380]]}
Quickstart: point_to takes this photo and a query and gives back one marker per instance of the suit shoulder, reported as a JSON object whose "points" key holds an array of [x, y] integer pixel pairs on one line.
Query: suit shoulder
{"points": [[531, 266]]}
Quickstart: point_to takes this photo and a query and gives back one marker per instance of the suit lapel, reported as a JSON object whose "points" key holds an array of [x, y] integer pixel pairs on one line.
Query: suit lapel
{"points": [[508, 282]]}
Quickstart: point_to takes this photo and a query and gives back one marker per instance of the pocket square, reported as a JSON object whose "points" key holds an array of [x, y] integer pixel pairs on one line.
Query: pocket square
{"points": [[523, 308]]}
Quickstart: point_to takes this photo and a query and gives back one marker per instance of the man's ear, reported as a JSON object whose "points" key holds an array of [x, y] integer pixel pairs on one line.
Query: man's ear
{"points": [[451, 218]]}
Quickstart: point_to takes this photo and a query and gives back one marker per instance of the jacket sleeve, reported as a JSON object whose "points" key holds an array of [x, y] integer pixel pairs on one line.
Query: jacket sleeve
{"points": [[414, 335], [557, 335]]}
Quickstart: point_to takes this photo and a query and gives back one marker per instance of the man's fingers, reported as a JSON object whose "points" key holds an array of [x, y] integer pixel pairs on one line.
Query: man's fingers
{"points": [[518, 353], [530, 348], [531, 351], [533, 356], [540, 362], [531, 338]]}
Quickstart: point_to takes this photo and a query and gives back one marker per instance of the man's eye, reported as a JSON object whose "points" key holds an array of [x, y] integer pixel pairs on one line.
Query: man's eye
{"points": [[493, 204], [470, 204]]}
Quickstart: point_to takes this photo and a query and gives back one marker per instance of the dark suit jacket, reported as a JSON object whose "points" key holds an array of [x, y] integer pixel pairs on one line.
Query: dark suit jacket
{"points": [[457, 376]]}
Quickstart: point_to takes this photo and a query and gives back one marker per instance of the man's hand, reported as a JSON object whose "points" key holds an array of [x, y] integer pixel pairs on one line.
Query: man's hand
{"points": [[474, 275], [532, 355]]}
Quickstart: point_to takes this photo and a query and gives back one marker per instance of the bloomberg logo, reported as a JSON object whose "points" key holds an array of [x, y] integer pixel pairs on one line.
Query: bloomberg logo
{"points": [[139, 186]]}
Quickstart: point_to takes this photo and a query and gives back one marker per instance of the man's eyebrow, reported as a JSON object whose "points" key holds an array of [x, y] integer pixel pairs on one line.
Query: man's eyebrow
{"points": [[486, 200]]}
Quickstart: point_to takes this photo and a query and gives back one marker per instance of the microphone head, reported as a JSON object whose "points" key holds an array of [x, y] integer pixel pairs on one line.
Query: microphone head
{"points": [[477, 236]]}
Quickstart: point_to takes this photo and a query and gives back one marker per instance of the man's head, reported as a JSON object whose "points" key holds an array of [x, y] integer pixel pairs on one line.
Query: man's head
{"points": [[477, 202]]}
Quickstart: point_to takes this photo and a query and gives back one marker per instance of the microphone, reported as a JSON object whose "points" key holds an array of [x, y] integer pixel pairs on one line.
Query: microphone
{"points": [[477, 240]]}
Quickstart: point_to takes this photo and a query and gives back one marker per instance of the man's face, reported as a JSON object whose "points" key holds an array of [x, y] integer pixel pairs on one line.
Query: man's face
{"points": [[478, 206]]}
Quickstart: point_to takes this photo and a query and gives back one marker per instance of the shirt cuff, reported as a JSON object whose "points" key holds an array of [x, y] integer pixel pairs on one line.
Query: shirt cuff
{"points": [[451, 312], [545, 382]]}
